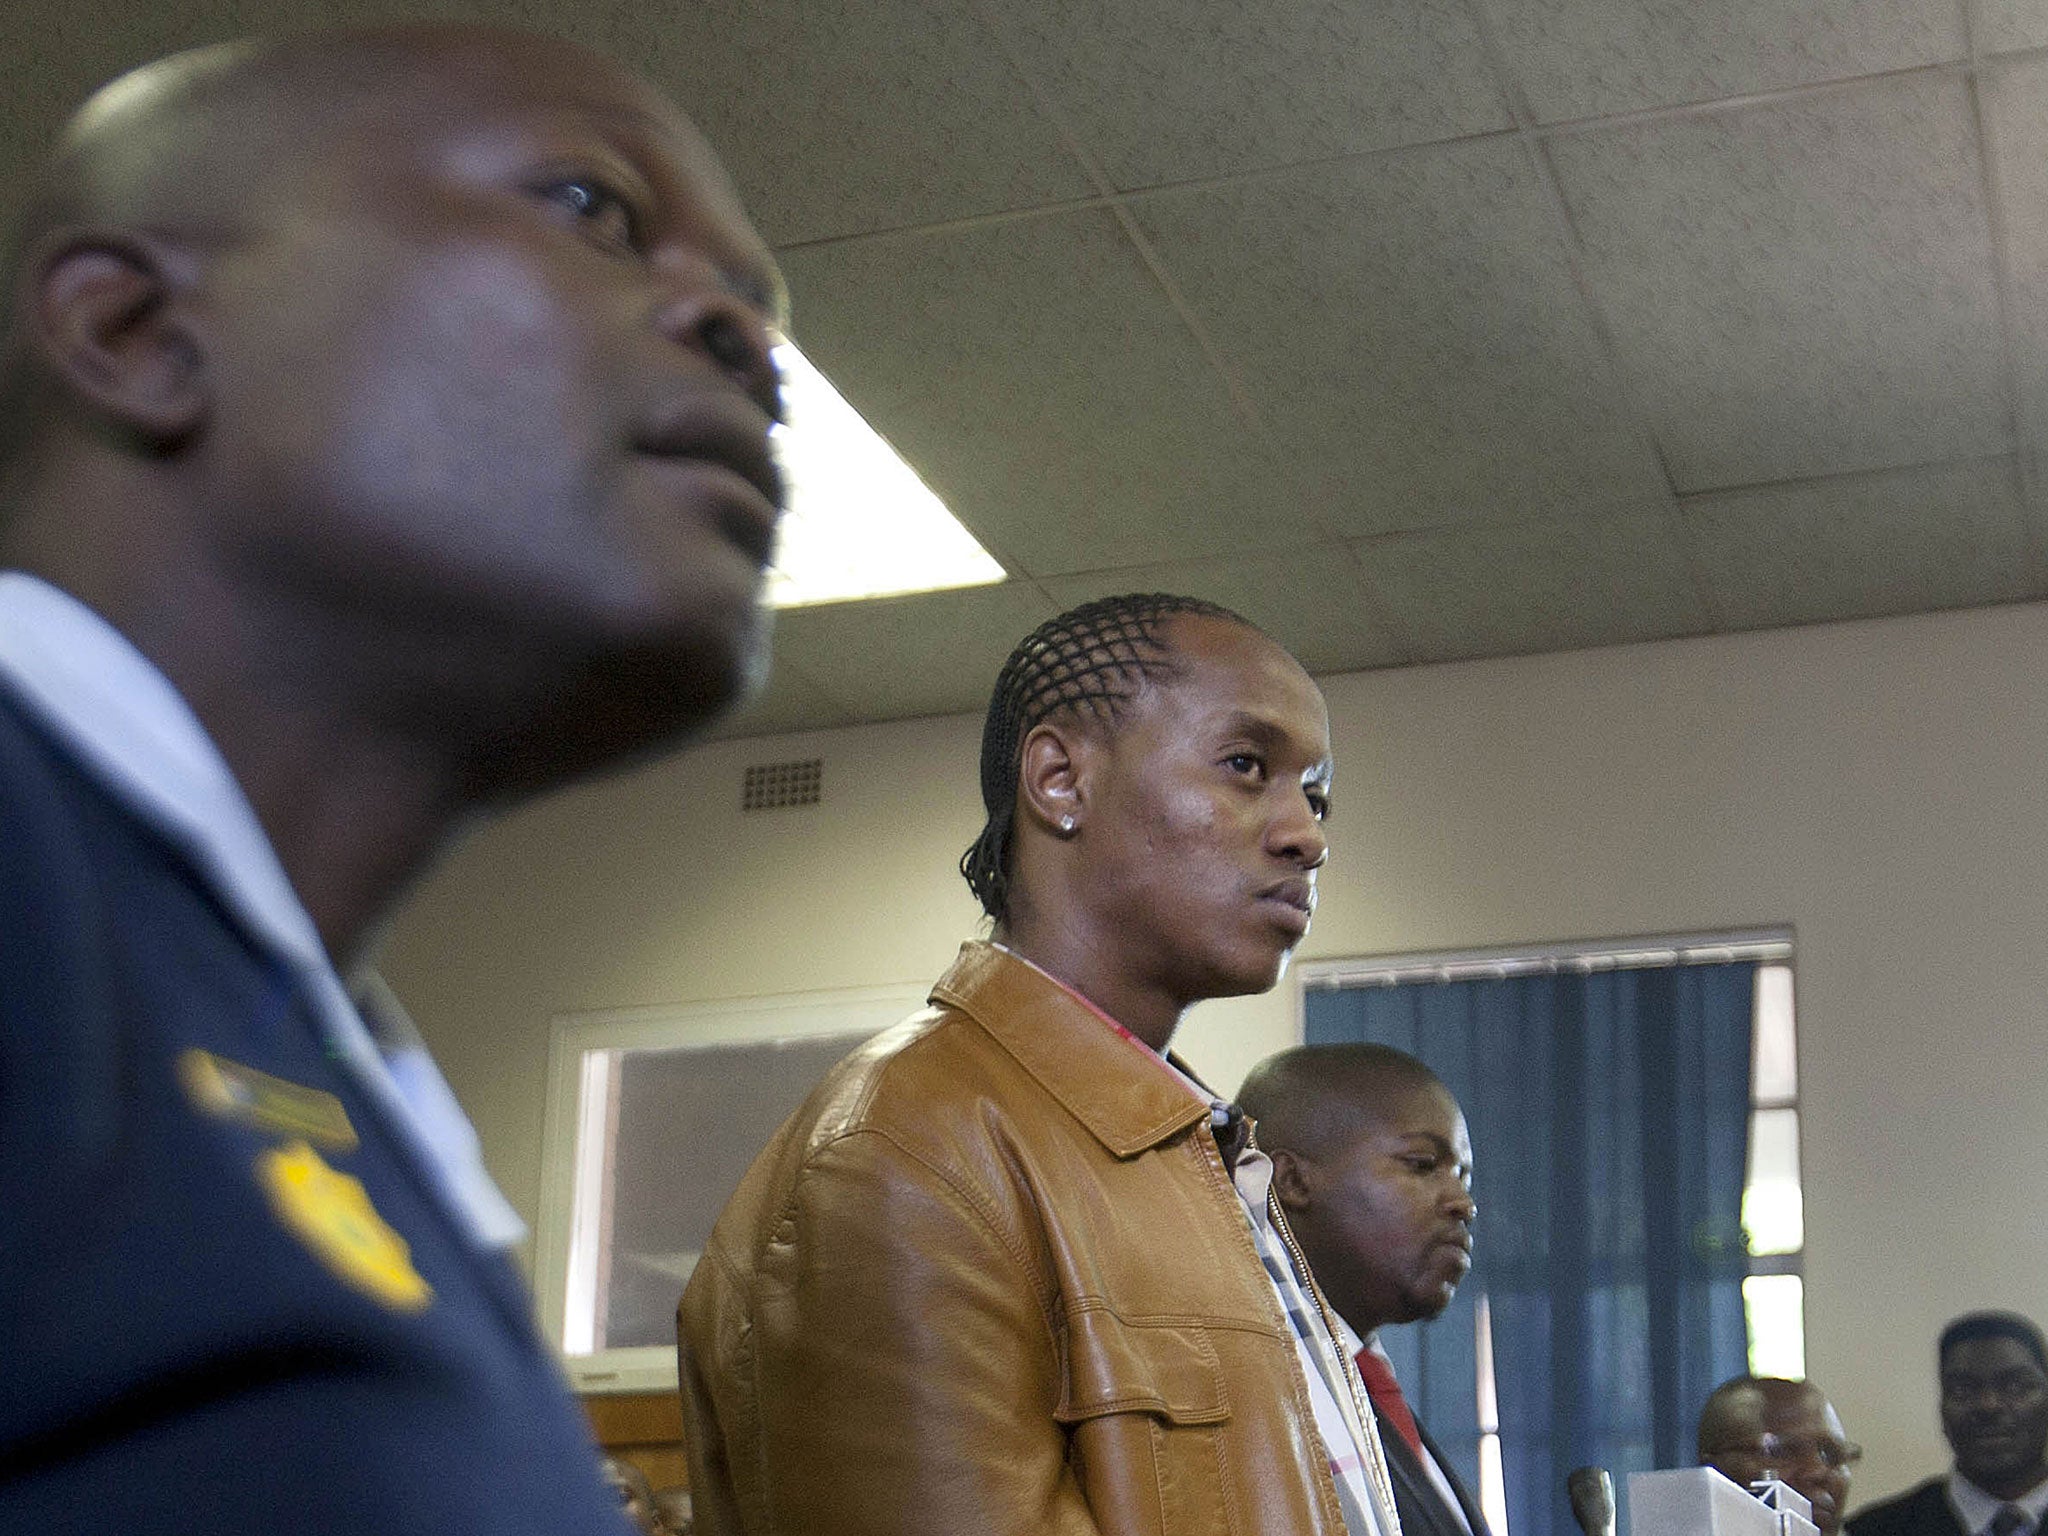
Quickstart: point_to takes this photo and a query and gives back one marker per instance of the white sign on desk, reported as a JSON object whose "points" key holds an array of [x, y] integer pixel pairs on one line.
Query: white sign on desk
{"points": [[1698, 1501]]}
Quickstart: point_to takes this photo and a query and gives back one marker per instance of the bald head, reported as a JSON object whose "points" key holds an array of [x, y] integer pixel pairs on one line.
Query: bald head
{"points": [[199, 149], [404, 395], [1315, 1098], [635, 1495], [179, 151], [1373, 1164], [1754, 1426]]}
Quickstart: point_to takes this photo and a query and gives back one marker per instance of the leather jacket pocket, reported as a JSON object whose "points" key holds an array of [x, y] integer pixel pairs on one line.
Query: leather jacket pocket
{"points": [[1144, 1404]]}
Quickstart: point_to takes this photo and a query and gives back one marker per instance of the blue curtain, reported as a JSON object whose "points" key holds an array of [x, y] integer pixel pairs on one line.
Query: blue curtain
{"points": [[1610, 1117]]}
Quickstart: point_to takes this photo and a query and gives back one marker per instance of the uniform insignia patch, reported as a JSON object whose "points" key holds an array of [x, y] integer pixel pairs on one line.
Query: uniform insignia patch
{"points": [[230, 1091], [330, 1211]]}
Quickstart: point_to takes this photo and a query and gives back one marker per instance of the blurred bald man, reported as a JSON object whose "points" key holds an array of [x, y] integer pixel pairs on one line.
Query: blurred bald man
{"points": [[383, 438], [1372, 1163], [1765, 1426]]}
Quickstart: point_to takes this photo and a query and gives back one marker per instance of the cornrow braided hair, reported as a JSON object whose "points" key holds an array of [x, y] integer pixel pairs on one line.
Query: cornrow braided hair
{"points": [[1090, 659]]}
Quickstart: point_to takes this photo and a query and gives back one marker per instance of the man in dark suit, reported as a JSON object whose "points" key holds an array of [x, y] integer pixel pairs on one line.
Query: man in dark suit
{"points": [[1765, 1426], [1994, 1413], [1372, 1164], [383, 439]]}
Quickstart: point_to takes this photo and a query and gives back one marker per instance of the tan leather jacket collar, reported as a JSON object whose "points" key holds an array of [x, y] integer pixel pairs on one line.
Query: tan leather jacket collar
{"points": [[1127, 1103]]}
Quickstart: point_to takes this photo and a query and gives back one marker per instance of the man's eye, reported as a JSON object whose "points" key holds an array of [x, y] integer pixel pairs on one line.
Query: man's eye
{"points": [[605, 211], [1319, 805], [1245, 762]]}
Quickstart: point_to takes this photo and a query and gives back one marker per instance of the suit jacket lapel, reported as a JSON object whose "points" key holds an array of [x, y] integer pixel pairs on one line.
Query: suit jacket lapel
{"points": [[1466, 1502], [1420, 1505]]}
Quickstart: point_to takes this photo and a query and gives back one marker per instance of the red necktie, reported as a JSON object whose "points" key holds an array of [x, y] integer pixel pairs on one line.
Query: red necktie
{"points": [[1385, 1393]]}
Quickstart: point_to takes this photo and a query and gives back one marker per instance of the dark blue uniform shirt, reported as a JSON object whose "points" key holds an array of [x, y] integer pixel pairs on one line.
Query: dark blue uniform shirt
{"points": [[232, 1297]]}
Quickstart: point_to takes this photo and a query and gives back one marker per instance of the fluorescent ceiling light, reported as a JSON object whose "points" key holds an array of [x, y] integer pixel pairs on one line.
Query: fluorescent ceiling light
{"points": [[860, 523]]}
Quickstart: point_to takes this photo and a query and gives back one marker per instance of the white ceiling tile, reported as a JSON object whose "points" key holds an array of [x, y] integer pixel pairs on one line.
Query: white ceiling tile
{"points": [[790, 702], [1505, 591], [1802, 289], [1937, 536], [933, 653], [1314, 603], [1036, 376], [2001, 25], [1796, 290], [2015, 102], [1168, 90], [840, 116], [833, 116], [1408, 324], [1590, 58]]}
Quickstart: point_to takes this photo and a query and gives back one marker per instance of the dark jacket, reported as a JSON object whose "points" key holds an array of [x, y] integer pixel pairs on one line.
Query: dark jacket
{"points": [[1921, 1511], [1416, 1498], [230, 1301]]}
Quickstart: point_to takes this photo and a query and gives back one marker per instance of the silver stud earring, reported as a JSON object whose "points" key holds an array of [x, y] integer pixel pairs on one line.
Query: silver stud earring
{"points": [[1067, 824]]}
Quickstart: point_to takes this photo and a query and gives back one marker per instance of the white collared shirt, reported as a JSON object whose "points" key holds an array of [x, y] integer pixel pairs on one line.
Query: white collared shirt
{"points": [[136, 734], [1974, 1507]]}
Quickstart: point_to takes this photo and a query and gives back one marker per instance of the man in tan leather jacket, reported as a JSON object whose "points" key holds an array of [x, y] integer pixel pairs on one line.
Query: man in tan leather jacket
{"points": [[994, 1275]]}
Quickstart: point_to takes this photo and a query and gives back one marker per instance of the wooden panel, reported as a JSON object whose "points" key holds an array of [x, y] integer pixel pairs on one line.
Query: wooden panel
{"points": [[635, 1418], [645, 1428]]}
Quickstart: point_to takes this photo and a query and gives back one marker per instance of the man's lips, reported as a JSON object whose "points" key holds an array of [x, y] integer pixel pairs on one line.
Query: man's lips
{"points": [[2001, 1435], [731, 432], [1293, 901]]}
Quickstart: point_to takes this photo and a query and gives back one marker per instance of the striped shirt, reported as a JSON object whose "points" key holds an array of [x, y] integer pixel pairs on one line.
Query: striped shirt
{"points": [[1358, 1462]]}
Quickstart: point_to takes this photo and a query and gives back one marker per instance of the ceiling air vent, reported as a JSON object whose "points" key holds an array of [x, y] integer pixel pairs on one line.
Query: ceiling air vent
{"points": [[777, 786]]}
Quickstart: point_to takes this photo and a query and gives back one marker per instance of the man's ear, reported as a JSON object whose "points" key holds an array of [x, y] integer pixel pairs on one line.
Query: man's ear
{"points": [[1052, 789], [106, 312], [1292, 1184]]}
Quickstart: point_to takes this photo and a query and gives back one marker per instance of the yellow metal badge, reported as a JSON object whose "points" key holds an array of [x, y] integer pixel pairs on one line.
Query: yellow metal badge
{"points": [[227, 1090], [331, 1212]]}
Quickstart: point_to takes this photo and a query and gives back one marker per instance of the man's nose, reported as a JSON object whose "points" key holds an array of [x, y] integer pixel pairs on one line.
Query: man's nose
{"points": [[708, 316], [1299, 835]]}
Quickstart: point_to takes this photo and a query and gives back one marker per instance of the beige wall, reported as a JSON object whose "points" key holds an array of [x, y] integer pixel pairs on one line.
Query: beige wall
{"points": [[1877, 786]]}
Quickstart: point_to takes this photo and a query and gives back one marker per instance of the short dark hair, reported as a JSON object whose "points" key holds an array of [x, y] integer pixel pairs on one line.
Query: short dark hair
{"points": [[1090, 659], [1992, 1325], [1309, 1099]]}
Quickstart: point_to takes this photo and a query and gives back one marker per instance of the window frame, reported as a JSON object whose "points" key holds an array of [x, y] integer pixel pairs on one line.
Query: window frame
{"points": [[1763, 946], [855, 1013]]}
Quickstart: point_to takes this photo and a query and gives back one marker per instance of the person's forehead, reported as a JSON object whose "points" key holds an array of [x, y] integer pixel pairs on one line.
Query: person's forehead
{"points": [[1797, 1409], [1995, 1352], [1398, 1111], [1741, 1412], [466, 93], [1224, 666]]}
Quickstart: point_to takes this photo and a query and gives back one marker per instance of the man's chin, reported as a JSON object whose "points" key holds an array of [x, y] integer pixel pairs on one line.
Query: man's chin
{"points": [[1426, 1308], [2000, 1469], [689, 677]]}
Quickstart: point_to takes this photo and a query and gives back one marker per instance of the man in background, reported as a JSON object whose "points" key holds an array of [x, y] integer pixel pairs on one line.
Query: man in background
{"points": [[636, 1497], [1372, 1163], [1994, 1413], [383, 439], [1755, 1427]]}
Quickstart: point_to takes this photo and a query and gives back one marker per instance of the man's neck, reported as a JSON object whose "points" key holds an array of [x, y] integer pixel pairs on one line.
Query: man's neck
{"points": [[1075, 960], [353, 805], [2010, 1490]]}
